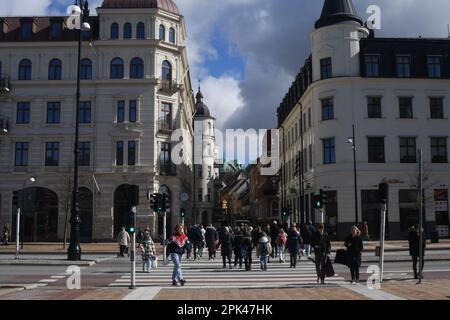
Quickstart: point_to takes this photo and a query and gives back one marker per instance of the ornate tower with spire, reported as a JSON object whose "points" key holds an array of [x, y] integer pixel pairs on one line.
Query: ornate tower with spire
{"points": [[336, 38]]}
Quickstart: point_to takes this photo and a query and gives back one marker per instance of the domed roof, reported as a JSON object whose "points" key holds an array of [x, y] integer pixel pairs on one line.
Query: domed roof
{"points": [[338, 11], [167, 5], [201, 109]]}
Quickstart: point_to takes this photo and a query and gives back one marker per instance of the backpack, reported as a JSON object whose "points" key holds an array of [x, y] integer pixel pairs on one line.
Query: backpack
{"points": [[265, 249], [281, 240]]}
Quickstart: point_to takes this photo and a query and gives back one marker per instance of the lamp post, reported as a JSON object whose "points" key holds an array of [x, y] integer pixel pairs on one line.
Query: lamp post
{"points": [[74, 251], [353, 142], [19, 222]]}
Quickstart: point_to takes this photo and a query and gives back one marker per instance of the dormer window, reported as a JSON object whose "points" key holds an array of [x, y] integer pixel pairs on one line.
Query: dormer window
{"points": [[27, 30], [56, 29]]}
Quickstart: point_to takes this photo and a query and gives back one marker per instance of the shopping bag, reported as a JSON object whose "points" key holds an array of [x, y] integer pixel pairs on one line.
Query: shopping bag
{"points": [[342, 257], [329, 271], [155, 262]]}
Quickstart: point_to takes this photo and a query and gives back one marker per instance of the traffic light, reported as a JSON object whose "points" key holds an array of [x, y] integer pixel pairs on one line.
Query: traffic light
{"points": [[285, 212], [154, 202], [131, 223], [163, 202], [319, 200], [182, 212], [383, 192]]}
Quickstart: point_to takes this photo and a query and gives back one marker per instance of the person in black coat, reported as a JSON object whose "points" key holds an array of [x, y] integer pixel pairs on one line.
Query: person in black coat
{"points": [[354, 245], [414, 248], [306, 236], [237, 243], [226, 243], [211, 239], [274, 231], [294, 244], [246, 251], [322, 248]]}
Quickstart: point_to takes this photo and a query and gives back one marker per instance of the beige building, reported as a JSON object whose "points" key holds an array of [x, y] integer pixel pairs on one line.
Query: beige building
{"points": [[135, 90]]}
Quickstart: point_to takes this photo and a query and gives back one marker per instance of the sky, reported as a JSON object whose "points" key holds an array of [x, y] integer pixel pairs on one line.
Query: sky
{"points": [[246, 53]]}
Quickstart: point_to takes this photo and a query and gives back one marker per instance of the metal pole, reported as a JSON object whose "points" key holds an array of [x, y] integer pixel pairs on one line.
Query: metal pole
{"points": [[382, 236], [133, 261], [421, 217], [322, 216], [21, 225], [164, 237], [355, 177], [17, 233]]}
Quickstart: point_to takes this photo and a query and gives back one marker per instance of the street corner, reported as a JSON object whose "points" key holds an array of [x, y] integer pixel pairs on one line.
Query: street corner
{"points": [[435, 289]]}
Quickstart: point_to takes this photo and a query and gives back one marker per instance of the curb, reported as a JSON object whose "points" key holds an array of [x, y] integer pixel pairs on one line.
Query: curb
{"points": [[406, 259], [47, 263]]}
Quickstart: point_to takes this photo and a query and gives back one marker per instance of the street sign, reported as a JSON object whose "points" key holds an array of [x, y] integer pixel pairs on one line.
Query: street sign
{"points": [[184, 196]]}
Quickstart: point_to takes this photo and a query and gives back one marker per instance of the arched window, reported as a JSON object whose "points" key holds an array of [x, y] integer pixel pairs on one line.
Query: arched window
{"points": [[140, 30], [127, 31], [115, 31], [162, 33], [25, 70], [137, 68], [55, 70], [86, 69], [166, 74], [172, 35], [116, 69]]}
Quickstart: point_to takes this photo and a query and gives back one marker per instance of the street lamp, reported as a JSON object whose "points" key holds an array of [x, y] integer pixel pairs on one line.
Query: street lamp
{"points": [[74, 251], [352, 141], [19, 225]]}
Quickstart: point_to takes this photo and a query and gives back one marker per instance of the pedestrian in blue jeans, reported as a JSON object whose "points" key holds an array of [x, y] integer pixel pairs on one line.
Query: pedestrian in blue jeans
{"points": [[175, 249], [263, 250]]}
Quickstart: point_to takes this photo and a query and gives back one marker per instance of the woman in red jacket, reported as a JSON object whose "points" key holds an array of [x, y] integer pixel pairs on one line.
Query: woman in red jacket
{"points": [[175, 249]]}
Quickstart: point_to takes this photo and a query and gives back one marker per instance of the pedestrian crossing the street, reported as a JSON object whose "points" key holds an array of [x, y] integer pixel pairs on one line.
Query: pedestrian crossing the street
{"points": [[206, 273]]}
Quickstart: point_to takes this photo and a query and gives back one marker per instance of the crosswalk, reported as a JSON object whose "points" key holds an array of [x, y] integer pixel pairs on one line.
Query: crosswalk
{"points": [[211, 274]]}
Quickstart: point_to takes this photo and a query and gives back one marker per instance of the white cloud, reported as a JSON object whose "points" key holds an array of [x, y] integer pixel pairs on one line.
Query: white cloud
{"points": [[24, 7]]}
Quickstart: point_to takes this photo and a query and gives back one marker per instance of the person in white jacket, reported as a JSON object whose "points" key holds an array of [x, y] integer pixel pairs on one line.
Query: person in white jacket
{"points": [[123, 238], [263, 250]]}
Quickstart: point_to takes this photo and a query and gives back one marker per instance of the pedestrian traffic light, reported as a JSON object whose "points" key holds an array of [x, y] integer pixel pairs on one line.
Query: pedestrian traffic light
{"points": [[131, 223], [318, 200], [154, 202], [383, 192], [285, 212], [182, 212], [162, 203]]}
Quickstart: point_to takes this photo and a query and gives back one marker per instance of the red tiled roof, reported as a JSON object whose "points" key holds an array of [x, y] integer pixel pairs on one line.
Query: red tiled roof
{"points": [[167, 5]]}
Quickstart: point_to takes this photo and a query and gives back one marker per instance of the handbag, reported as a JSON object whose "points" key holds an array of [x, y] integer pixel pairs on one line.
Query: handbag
{"points": [[342, 257], [329, 270]]}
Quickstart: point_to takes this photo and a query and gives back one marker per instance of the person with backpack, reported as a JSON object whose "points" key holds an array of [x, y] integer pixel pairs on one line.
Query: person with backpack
{"points": [[237, 243], [263, 250], [281, 245], [294, 244], [148, 252], [322, 248], [246, 251], [226, 244]]}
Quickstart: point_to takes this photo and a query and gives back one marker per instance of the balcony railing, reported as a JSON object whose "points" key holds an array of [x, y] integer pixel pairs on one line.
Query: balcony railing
{"points": [[168, 86], [4, 84], [168, 169], [164, 126]]}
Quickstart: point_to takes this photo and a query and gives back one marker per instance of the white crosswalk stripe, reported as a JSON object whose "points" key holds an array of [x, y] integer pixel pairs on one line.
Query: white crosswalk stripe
{"points": [[211, 274]]}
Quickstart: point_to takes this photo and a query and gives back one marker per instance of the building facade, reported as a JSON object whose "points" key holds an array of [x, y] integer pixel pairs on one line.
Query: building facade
{"points": [[135, 91], [395, 93]]}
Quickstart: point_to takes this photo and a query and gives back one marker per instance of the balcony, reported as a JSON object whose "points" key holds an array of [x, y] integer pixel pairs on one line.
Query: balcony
{"points": [[168, 86], [4, 84], [4, 128], [164, 126], [168, 169]]}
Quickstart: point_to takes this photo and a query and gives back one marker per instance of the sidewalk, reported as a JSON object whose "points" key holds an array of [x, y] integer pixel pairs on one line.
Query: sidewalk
{"points": [[427, 290]]}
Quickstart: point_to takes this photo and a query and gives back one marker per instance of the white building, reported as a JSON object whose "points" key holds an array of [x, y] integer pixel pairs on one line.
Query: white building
{"points": [[135, 91], [396, 92]]}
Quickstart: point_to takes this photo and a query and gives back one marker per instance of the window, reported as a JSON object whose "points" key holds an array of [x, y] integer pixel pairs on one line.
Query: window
{"points": [[325, 68], [310, 157], [434, 66], [86, 69], [439, 150], [120, 111], [132, 111], [376, 150], [200, 195], [114, 31], [162, 33], [116, 71], [55, 70], [309, 118], [165, 116], [25, 70], [53, 112], [127, 30], [137, 68], [23, 113], [164, 158], [372, 63], [374, 107], [436, 108], [131, 153], [403, 66], [56, 29], [327, 109], [208, 196], [172, 35], [408, 150], [21, 154], [119, 153], [52, 154], [84, 157], [140, 30], [166, 71], [85, 112], [406, 108], [329, 151], [26, 30]]}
